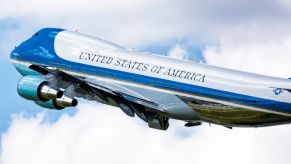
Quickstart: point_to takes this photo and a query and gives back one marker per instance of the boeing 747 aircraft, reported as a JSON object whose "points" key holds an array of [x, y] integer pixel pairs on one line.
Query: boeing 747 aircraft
{"points": [[60, 66]]}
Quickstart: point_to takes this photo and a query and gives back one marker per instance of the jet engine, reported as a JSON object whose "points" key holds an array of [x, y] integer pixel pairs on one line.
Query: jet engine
{"points": [[59, 103], [35, 88]]}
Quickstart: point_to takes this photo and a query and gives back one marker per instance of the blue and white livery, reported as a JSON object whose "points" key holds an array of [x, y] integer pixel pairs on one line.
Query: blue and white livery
{"points": [[60, 66]]}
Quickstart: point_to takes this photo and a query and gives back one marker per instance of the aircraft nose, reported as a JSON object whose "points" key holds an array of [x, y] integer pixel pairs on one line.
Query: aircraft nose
{"points": [[14, 54]]}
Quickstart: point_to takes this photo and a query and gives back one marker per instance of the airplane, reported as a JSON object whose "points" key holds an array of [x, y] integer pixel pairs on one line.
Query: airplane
{"points": [[60, 67]]}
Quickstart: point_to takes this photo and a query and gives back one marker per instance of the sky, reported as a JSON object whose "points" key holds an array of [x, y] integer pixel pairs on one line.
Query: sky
{"points": [[252, 36]]}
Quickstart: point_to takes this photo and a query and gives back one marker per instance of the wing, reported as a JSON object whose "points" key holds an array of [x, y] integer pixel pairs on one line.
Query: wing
{"points": [[129, 101]]}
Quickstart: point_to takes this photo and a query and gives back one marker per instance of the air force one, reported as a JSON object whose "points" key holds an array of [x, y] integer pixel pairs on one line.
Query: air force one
{"points": [[61, 66]]}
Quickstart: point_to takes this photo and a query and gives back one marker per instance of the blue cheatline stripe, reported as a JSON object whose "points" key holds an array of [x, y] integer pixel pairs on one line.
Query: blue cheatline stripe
{"points": [[43, 52], [177, 86], [170, 85]]}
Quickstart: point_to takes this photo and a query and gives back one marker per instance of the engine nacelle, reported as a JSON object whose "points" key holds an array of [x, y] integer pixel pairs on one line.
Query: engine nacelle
{"points": [[49, 105], [35, 88], [59, 103], [157, 122]]}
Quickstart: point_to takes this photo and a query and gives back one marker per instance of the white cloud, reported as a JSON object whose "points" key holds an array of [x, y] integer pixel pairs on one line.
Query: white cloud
{"points": [[128, 22], [178, 52], [269, 57], [139, 23], [240, 35], [103, 134]]}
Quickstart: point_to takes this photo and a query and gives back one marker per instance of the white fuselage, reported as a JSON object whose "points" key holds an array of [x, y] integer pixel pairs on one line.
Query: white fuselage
{"points": [[87, 50]]}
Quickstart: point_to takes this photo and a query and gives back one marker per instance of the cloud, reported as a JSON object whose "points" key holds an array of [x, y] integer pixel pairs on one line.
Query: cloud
{"points": [[269, 57], [139, 23], [103, 134], [131, 22], [247, 35], [178, 52]]}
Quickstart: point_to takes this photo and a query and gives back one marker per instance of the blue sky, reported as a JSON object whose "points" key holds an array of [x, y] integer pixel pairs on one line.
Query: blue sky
{"points": [[245, 35]]}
